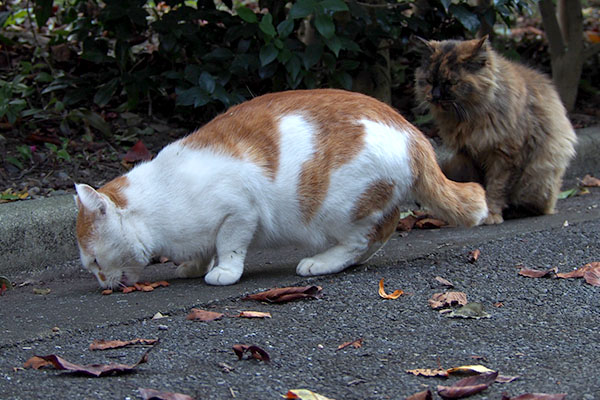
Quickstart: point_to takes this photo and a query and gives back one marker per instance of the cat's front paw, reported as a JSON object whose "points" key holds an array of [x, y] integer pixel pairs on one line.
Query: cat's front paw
{"points": [[310, 267], [219, 276], [493, 218], [194, 269]]}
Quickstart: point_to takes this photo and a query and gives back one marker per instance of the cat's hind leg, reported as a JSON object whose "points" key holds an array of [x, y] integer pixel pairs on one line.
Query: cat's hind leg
{"points": [[357, 247], [233, 238], [195, 268]]}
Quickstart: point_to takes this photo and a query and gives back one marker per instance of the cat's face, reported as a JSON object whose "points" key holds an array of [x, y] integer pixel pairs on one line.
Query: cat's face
{"points": [[454, 76], [105, 247]]}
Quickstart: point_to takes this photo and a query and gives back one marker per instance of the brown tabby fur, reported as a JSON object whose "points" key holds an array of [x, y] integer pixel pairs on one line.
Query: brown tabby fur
{"points": [[503, 123]]}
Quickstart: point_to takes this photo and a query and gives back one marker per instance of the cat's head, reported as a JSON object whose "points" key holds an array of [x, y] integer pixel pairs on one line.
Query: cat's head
{"points": [[107, 246], [455, 77]]}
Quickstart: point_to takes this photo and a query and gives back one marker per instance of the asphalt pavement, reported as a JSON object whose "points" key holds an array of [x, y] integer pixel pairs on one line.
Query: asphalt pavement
{"points": [[545, 331]]}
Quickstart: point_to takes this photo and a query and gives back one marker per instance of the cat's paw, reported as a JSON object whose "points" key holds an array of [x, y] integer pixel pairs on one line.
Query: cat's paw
{"points": [[493, 218], [194, 269], [310, 266], [219, 276]]}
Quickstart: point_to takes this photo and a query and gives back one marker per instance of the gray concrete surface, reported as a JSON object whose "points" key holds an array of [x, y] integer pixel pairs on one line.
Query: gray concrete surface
{"points": [[37, 233]]}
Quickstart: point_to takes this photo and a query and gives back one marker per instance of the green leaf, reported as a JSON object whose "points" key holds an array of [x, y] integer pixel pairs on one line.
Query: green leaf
{"points": [[285, 28], [303, 8], [246, 14], [218, 54], [293, 67], [446, 4], [344, 79], [266, 25], [43, 11], [324, 25], [206, 82], [565, 194], [334, 5], [193, 96], [267, 54], [106, 92], [96, 121], [312, 55], [15, 162], [334, 44], [468, 19]]}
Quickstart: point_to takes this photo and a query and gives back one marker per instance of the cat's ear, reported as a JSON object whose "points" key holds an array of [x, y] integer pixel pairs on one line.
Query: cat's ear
{"points": [[477, 53], [88, 198], [423, 45], [480, 44]]}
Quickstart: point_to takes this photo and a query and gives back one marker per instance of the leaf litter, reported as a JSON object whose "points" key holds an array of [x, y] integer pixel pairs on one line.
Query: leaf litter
{"points": [[447, 299], [100, 344], [304, 394], [354, 343], [467, 386], [285, 294], [392, 296], [255, 352]]}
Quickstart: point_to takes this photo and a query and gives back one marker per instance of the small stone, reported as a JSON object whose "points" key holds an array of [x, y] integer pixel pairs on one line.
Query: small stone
{"points": [[163, 327]]}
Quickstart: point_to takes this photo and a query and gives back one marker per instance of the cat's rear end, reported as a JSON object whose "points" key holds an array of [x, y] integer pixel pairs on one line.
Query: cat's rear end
{"points": [[326, 169]]}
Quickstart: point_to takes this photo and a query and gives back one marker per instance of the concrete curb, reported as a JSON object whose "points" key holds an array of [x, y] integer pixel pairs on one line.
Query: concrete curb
{"points": [[35, 234]]}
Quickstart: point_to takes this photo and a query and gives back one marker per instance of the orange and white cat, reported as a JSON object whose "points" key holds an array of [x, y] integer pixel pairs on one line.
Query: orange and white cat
{"points": [[325, 169]]}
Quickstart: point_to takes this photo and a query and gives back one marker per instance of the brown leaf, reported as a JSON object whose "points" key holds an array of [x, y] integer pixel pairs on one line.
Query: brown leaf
{"points": [[467, 386], [138, 152], [592, 276], [92, 369], [429, 372], [107, 291], [149, 394], [474, 255], [354, 343], [537, 396], [407, 223], [115, 344], [590, 181], [392, 296], [430, 223], [129, 289], [506, 378], [304, 394], [254, 314], [203, 315], [470, 369], [281, 295], [444, 282], [255, 351], [424, 395], [537, 273], [36, 362], [448, 299], [579, 272]]}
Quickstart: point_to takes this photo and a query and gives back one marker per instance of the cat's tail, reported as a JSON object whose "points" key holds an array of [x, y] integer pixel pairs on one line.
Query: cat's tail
{"points": [[454, 202]]}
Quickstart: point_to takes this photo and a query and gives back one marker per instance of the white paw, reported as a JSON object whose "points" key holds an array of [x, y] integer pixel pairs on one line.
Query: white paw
{"points": [[220, 276], [493, 218], [194, 269], [310, 266]]}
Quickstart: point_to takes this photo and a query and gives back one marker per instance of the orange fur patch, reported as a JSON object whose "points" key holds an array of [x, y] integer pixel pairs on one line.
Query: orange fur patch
{"points": [[386, 227], [114, 191], [84, 226], [375, 198]]}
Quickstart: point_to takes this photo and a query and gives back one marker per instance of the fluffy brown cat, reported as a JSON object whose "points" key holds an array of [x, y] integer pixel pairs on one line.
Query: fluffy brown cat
{"points": [[504, 124]]}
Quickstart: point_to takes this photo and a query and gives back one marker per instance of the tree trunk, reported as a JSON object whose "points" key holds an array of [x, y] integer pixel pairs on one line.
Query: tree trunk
{"points": [[565, 39]]}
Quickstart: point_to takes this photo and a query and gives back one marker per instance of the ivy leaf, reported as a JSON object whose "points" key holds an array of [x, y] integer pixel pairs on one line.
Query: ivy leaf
{"points": [[334, 44], [312, 55], [334, 5], [303, 8], [206, 82], [285, 28], [266, 25], [267, 54], [246, 14], [324, 25], [465, 17], [106, 92]]}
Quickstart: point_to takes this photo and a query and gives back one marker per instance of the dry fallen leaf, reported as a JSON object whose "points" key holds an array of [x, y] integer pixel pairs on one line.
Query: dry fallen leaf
{"points": [[397, 293], [304, 394], [280, 295], [467, 386], [137, 152], [537, 396], [430, 223], [470, 369], [444, 282], [254, 314], [506, 378], [592, 276], [92, 369], [151, 394], [590, 181], [424, 395], [470, 310], [354, 343], [203, 315], [115, 344], [448, 299], [429, 372], [536, 273], [407, 223], [255, 352], [474, 255]]}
